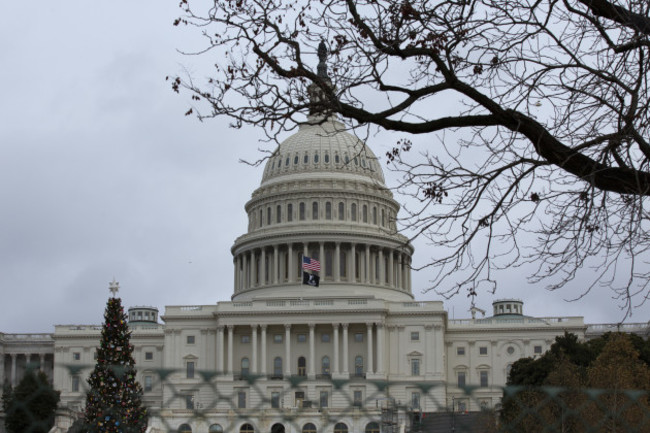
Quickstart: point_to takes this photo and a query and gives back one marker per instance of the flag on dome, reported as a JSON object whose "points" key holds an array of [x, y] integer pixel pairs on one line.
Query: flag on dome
{"points": [[310, 264], [310, 279]]}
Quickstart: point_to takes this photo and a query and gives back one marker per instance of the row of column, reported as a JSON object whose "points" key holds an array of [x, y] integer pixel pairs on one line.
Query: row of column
{"points": [[260, 367], [373, 269], [13, 378]]}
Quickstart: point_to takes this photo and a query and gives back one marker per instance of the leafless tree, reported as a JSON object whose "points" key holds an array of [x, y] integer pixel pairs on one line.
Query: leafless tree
{"points": [[537, 114]]}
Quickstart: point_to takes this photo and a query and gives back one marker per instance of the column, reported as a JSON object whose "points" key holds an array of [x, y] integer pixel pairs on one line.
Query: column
{"points": [[312, 352], [429, 344], [276, 271], [335, 327], [236, 276], [263, 267], [367, 259], [346, 370], [400, 263], [408, 274], [13, 368], [369, 368], [231, 341], [353, 263], [244, 271], [263, 364], [382, 267], [305, 250], [391, 281], [254, 349], [337, 262], [290, 264], [287, 351], [41, 362], [2, 369], [253, 269], [220, 350], [380, 348], [321, 259]]}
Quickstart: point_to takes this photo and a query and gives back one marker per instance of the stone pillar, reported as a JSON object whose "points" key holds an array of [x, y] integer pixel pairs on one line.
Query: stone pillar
{"points": [[253, 269], [367, 260], [400, 263], [380, 348], [305, 250], [263, 267], [370, 363], [290, 264], [335, 327], [2, 369], [236, 276], [220, 351], [337, 262], [263, 364], [231, 344], [346, 369], [391, 263], [353, 264], [276, 266], [312, 352], [13, 368], [254, 349], [429, 344], [382, 268], [244, 276], [287, 350], [41, 362], [321, 258]]}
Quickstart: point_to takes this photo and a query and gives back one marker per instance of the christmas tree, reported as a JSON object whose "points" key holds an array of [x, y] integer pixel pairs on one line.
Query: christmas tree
{"points": [[114, 401]]}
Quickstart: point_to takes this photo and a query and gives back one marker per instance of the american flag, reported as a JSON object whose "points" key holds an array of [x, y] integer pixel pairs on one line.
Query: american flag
{"points": [[311, 264]]}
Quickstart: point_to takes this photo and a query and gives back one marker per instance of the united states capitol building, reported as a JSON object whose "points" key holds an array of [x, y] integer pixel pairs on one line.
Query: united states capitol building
{"points": [[318, 355]]}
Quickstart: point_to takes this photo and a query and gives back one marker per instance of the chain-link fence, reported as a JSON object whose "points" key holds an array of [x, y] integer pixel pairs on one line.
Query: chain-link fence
{"points": [[242, 403]]}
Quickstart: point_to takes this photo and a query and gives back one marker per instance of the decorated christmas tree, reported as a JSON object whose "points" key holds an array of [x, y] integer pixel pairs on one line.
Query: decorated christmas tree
{"points": [[114, 401]]}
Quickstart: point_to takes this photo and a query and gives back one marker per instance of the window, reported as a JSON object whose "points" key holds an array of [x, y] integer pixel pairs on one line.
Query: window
{"points": [[241, 399], [148, 383], [189, 401], [460, 350], [364, 213], [461, 379], [301, 211], [372, 427], [383, 218], [415, 400], [76, 356], [295, 160], [325, 338], [245, 367], [358, 366], [340, 428], [191, 339], [324, 399], [275, 400], [316, 157], [415, 367], [268, 216], [246, 428], [277, 338], [314, 210], [357, 398], [510, 350], [374, 215], [462, 406], [341, 211], [278, 214], [190, 369], [75, 383], [286, 162], [328, 210], [327, 157], [261, 218], [309, 427], [483, 375], [245, 339], [482, 350], [184, 428], [325, 366], [302, 366], [277, 367], [415, 336], [302, 338], [353, 212], [358, 337], [336, 158], [306, 159], [328, 263], [538, 350], [215, 428], [148, 356], [289, 212]]}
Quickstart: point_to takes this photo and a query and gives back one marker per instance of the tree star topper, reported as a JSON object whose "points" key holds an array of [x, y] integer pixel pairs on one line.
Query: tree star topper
{"points": [[114, 287]]}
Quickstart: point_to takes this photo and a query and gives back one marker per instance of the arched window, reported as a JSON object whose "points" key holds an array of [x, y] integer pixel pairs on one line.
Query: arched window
{"points": [[347, 159], [302, 366], [268, 216], [327, 158], [364, 213], [358, 366], [295, 160], [184, 428], [340, 428], [277, 428], [383, 218], [215, 428], [306, 159], [328, 210], [372, 427], [353, 212], [246, 428], [316, 158], [245, 367], [309, 428], [336, 158], [286, 162], [261, 218], [356, 161], [290, 212], [341, 211], [314, 210], [278, 214], [325, 365], [301, 211], [374, 215], [277, 367]]}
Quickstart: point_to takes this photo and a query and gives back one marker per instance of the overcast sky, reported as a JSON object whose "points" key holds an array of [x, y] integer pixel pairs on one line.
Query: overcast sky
{"points": [[102, 176]]}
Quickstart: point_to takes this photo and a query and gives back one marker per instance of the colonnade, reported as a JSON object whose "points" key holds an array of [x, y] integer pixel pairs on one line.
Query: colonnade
{"points": [[13, 378], [340, 262], [339, 355]]}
